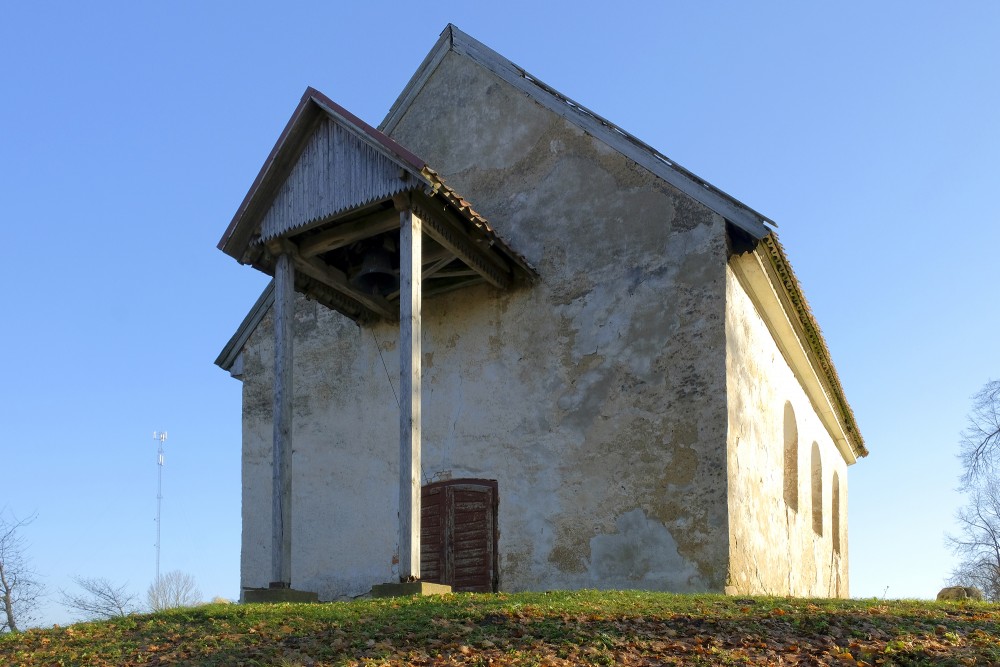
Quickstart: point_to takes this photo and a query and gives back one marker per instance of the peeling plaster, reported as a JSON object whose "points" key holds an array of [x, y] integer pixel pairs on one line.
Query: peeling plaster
{"points": [[773, 548], [599, 399], [641, 553]]}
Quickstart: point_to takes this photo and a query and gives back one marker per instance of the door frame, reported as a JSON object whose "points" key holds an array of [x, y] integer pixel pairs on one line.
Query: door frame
{"points": [[474, 483]]}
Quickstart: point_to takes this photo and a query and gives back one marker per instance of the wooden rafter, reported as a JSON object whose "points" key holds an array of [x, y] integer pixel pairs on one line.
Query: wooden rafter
{"points": [[457, 273], [435, 267], [443, 287], [450, 235], [334, 278], [349, 232]]}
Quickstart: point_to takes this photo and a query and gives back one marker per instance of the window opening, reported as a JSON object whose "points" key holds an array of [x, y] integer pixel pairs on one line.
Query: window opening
{"points": [[835, 513], [791, 432], [817, 491]]}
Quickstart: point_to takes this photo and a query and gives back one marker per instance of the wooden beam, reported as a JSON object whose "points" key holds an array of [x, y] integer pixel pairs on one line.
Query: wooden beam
{"points": [[457, 273], [411, 238], [436, 255], [430, 260], [450, 235], [349, 232], [437, 266], [336, 279], [331, 298], [281, 479], [443, 287], [332, 277]]}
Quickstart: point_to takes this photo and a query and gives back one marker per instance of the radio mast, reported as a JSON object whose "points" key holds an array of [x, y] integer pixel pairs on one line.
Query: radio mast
{"points": [[160, 438]]}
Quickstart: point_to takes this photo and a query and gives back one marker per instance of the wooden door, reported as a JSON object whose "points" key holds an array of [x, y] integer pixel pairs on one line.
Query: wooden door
{"points": [[458, 534]]}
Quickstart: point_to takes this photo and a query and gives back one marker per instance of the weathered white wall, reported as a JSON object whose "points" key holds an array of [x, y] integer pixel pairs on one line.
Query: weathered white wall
{"points": [[596, 398], [773, 549], [335, 464]]}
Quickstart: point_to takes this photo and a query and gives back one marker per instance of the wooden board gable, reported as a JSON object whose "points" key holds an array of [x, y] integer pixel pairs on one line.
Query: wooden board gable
{"points": [[337, 171]]}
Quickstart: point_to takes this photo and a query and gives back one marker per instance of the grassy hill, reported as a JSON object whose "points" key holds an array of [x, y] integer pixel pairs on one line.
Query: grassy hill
{"points": [[562, 628]]}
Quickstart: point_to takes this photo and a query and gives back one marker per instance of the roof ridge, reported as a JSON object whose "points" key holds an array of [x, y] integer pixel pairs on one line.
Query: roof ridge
{"points": [[453, 39]]}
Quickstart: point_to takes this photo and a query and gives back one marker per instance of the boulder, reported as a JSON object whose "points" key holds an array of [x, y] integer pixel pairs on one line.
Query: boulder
{"points": [[960, 593]]}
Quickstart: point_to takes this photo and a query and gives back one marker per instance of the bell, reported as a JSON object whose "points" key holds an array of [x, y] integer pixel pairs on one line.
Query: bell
{"points": [[376, 275]]}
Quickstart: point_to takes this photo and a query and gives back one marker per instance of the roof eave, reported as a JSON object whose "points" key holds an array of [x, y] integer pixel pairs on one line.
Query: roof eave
{"points": [[768, 279], [227, 357], [302, 115], [814, 336]]}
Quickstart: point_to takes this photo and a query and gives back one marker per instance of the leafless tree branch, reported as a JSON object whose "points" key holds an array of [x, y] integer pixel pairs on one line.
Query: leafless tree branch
{"points": [[171, 590], [99, 598], [20, 589], [980, 441], [978, 541]]}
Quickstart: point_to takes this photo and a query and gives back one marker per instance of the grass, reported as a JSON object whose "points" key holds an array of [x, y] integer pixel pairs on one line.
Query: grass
{"points": [[561, 628]]}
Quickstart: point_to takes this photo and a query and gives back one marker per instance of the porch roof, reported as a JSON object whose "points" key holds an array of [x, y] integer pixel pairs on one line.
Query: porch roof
{"points": [[328, 194]]}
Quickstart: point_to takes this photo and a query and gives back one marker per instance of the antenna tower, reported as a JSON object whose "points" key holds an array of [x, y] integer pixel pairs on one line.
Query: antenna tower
{"points": [[160, 437]]}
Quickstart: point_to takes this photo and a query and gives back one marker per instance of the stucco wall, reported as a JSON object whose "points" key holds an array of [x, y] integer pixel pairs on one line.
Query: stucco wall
{"points": [[335, 463], [596, 397], [774, 548]]}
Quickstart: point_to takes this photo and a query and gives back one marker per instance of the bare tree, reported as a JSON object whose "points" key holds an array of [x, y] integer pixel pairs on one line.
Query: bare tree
{"points": [[173, 589], [978, 544], [20, 590], [980, 443], [100, 598]]}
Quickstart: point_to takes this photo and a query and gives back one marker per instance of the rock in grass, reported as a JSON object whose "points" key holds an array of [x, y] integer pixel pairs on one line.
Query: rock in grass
{"points": [[960, 593]]}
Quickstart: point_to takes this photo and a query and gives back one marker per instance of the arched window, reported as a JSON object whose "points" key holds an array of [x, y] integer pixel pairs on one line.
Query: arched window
{"points": [[817, 491], [791, 459], [835, 513]]}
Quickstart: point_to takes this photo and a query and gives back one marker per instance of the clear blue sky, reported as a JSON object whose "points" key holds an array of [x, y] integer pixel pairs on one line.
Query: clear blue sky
{"points": [[130, 132]]}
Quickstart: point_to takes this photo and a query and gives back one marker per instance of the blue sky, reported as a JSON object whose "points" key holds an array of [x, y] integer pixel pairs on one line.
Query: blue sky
{"points": [[130, 132]]}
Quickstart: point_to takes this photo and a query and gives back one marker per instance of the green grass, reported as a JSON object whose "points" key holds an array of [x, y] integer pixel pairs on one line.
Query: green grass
{"points": [[583, 627]]}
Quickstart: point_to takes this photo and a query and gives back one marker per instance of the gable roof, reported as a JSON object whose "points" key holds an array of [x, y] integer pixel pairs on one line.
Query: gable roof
{"points": [[313, 108], [453, 39], [754, 224], [327, 195], [751, 222]]}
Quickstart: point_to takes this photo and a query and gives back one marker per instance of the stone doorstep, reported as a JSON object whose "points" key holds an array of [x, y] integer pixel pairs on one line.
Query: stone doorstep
{"points": [[409, 588], [278, 595]]}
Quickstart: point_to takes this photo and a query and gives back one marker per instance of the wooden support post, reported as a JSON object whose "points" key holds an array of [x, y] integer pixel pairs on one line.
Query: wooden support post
{"points": [[410, 270], [281, 487]]}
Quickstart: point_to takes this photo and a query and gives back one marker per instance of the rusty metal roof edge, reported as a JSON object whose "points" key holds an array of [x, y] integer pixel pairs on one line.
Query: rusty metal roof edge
{"points": [[386, 142], [306, 112], [465, 209], [294, 121], [453, 39]]}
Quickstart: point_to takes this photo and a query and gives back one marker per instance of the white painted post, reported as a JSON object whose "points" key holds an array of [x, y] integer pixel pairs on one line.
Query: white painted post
{"points": [[410, 254], [281, 486]]}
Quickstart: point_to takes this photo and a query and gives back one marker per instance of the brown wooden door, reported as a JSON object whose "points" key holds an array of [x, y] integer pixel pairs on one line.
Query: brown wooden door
{"points": [[458, 534]]}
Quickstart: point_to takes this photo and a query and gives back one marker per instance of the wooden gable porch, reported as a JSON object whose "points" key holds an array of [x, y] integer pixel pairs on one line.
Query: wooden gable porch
{"points": [[346, 216]]}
